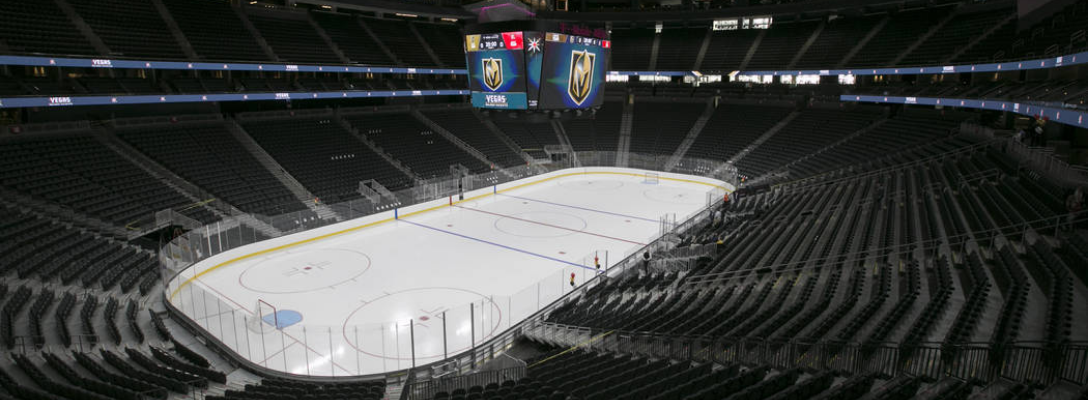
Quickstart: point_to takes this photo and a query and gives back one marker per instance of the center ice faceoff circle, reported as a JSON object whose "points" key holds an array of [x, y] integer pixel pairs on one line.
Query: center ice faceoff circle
{"points": [[423, 308], [303, 271], [541, 224]]}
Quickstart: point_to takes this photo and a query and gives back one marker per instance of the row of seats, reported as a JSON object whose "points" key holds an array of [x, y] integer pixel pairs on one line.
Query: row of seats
{"points": [[935, 309], [661, 131], [731, 128], [471, 129], [155, 377], [810, 131], [129, 28], [864, 229], [35, 334], [445, 40], [293, 40], [676, 51], [36, 247], [896, 134], [781, 44], [34, 26], [977, 287], [1059, 286], [284, 389], [558, 373], [426, 152], [216, 31], [599, 133], [405, 45], [531, 137], [351, 38], [79, 172], [836, 40], [957, 32], [331, 163], [206, 155], [890, 214], [1059, 34]]}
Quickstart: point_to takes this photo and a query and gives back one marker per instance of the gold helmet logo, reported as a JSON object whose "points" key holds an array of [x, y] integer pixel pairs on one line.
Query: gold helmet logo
{"points": [[580, 83], [492, 73]]}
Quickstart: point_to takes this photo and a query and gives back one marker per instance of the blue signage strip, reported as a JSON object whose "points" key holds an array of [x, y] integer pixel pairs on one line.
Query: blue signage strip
{"points": [[1053, 62], [654, 73], [210, 66], [1060, 115], [63, 101]]}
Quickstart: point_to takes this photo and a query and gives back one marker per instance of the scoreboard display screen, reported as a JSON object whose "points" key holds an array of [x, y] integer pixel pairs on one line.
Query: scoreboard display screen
{"points": [[534, 58], [575, 68], [530, 70], [496, 70]]}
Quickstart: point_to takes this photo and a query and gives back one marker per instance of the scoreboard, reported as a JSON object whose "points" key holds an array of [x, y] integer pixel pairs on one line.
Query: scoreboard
{"points": [[497, 73], [575, 67], [536, 70]]}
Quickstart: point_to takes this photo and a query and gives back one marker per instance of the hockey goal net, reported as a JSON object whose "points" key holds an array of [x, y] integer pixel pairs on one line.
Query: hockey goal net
{"points": [[265, 318], [651, 178]]}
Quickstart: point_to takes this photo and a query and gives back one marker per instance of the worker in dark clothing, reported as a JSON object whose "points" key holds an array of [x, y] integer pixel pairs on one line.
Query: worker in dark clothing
{"points": [[646, 262]]}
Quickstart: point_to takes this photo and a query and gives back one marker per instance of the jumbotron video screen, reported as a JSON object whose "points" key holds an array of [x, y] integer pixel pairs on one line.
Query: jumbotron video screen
{"points": [[496, 69], [529, 70]]}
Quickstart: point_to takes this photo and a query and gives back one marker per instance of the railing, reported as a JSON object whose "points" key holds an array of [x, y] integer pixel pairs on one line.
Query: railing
{"points": [[829, 177], [1044, 163], [298, 351], [1020, 361], [987, 237], [428, 388]]}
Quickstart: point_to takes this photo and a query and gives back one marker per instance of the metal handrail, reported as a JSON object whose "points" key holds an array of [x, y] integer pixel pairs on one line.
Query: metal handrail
{"points": [[992, 233], [814, 181], [1025, 361]]}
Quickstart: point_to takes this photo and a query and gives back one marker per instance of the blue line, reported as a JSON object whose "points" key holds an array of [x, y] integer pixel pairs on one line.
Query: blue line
{"points": [[582, 208], [496, 244]]}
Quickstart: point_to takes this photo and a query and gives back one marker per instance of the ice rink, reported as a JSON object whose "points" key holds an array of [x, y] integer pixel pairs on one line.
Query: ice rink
{"points": [[359, 297]]}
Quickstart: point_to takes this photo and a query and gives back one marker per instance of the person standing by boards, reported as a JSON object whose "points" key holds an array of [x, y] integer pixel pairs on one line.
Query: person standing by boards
{"points": [[572, 280], [646, 262]]}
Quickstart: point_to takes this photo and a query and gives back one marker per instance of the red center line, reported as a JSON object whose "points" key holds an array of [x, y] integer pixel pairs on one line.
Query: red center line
{"points": [[552, 226]]}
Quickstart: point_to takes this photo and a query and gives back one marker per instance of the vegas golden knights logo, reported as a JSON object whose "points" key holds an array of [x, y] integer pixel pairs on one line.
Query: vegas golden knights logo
{"points": [[492, 73], [580, 83]]}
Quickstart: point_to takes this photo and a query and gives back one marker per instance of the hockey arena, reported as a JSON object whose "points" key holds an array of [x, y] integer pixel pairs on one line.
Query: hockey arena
{"points": [[505, 251], [543, 199]]}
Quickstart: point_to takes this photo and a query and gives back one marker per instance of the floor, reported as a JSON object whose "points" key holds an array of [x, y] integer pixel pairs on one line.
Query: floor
{"points": [[374, 295]]}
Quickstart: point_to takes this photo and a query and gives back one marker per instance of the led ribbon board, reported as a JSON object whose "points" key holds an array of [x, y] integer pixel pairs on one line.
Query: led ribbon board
{"points": [[62, 101], [1056, 114]]}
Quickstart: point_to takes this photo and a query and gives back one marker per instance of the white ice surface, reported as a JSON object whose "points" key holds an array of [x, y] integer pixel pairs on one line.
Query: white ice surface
{"points": [[357, 292]]}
